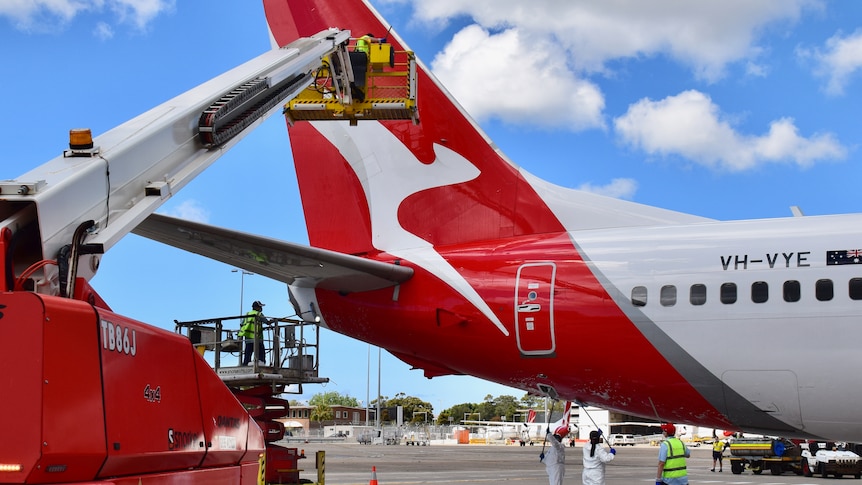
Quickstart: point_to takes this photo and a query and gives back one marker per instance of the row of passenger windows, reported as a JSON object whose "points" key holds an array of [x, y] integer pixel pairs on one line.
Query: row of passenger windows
{"points": [[791, 291]]}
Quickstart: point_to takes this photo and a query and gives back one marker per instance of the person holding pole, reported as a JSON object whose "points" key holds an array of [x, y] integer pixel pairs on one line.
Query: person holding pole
{"points": [[595, 459], [555, 458]]}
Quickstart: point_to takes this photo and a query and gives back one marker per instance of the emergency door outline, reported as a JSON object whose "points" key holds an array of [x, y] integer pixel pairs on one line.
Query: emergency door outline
{"points": [[534, 309]]}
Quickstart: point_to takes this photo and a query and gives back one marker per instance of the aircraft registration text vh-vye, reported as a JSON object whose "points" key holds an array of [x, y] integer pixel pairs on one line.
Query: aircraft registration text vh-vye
{"points": [[425, 240], [742, 261]]}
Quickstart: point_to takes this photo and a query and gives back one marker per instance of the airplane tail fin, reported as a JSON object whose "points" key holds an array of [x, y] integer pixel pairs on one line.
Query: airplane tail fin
{"points": [[390, 184], [564, 419], [567, 413]]}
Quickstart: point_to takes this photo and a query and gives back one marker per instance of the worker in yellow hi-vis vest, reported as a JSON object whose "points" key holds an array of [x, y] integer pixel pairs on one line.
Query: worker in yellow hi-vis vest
{"points": [[671, 458], [359, 60], [718, 447], [251, 330], [363, 44]]}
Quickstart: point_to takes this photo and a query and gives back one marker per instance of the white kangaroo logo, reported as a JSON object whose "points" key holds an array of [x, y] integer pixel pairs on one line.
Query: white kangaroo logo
{"points": [[388, 181]]}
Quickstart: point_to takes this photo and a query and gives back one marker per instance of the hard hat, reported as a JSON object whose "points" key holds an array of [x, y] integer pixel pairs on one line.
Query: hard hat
{"points": [[668, 428], [561, 431], [256, 304]]}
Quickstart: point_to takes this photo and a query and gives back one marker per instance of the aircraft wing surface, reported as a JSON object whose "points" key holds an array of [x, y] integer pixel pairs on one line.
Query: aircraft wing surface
{"points": [[291, 263]]}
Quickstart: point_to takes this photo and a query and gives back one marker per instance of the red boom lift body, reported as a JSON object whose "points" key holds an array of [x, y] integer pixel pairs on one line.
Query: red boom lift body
{"points": [[95, 396]]}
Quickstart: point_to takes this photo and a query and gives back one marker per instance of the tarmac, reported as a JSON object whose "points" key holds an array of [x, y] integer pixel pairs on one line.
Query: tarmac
{"points": [[350, 463]]}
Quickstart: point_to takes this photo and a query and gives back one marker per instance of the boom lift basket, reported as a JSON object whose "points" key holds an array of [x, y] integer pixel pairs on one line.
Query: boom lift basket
{"points": [[354, 86]]}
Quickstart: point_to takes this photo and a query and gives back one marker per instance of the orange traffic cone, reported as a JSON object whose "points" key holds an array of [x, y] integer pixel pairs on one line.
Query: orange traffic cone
{"points": [[373, 476]]}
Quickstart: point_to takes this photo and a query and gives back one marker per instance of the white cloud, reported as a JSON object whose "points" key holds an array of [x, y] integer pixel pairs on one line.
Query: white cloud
{"points": [[48, 15], [754, 69], [705, 35], [691, 126], [39, 15], [620, 188], [517, 79], [530, 62], [190, 210], [840, 58], [139, 12], [103, 31]]}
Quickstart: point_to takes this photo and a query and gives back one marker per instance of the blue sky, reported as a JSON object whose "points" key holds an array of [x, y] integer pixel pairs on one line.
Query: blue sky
{"points": [[724, 109]]}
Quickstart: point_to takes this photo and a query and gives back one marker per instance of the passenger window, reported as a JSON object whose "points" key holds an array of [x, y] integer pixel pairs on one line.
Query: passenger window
{"points": [[759, 292], [697, 294], [855, 288], [823, 290], [668, 295], [728, 293], [792, 291], [639, 296]]}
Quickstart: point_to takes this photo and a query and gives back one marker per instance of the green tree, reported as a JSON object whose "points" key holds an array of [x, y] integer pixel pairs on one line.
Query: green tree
{"points": [[415, 409], [506, 406], [503, 407], [333, 398], [459, 413], [321, 413], [443, 417], [488, 409], [531, 401]]}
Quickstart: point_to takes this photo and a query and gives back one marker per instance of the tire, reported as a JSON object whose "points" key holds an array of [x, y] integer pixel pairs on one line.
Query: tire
{"points": [[736, 467], [775, 469], [756, 467], [806, 469]]}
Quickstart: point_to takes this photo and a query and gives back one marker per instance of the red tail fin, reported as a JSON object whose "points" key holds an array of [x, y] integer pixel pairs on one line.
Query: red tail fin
{"points": [[567, 413], [390, 183]]}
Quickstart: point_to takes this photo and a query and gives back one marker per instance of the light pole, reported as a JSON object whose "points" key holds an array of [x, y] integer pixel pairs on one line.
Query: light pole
{"points": [[242, 274], [379, 396], [368, 388]]}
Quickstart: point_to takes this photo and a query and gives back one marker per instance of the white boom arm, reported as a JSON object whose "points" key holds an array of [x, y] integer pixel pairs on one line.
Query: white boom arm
{"points": [[80, 204]]}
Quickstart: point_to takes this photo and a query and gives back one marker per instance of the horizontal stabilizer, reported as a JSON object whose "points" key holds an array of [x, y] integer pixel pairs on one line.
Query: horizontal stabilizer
{"points": [[294, 264]]}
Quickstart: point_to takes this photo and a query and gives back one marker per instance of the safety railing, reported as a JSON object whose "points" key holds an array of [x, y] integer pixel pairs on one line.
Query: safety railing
{"points": [[291, 350]]}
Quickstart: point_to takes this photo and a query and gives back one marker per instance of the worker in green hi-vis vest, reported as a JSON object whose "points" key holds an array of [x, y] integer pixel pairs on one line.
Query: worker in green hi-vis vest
{"points": [[251, 331], [671, 458]]}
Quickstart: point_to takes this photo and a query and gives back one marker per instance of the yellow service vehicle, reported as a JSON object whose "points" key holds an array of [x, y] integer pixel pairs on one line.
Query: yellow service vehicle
{"points": [[758, 454]]}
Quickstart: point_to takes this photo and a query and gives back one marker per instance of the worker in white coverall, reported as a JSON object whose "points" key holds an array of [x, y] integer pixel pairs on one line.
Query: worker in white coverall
{"points": [[595, 458], [555, 457]]}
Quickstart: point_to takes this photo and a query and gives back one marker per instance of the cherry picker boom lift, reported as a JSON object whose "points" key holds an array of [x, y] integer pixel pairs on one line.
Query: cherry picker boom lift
{"points": [[91, 396]]}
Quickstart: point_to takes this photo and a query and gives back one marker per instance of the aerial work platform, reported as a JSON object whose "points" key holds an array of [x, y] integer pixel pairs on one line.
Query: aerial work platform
{"points": [[352, 85], [158, 415], [291, 352]]}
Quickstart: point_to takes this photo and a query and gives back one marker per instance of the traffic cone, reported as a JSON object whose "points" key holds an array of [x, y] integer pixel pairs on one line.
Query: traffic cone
{"points": [[373, 476]]}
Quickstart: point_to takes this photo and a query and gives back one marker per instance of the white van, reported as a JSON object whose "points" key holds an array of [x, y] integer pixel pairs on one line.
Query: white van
{"points": [[622, 440]]}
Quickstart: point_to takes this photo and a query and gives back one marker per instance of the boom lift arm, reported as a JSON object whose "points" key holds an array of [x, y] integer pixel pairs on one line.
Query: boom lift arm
{"points": [[75, 207], [110, 399]]}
